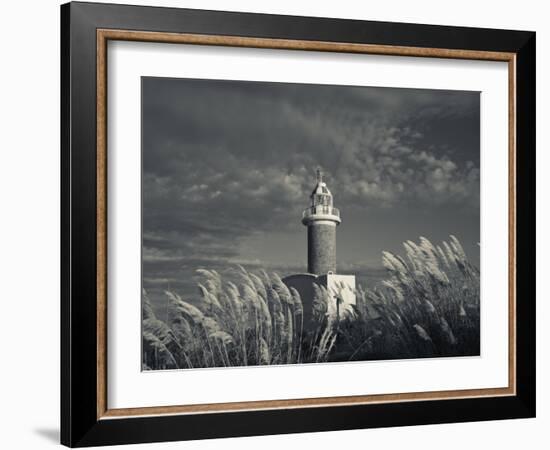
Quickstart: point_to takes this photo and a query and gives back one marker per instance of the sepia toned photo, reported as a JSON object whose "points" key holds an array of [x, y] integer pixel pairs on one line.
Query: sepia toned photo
{"points": [[297, 223]]}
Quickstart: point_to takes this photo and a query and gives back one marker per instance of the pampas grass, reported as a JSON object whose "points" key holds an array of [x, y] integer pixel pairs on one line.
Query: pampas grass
{"points": [[428, 306], [255, 321]]}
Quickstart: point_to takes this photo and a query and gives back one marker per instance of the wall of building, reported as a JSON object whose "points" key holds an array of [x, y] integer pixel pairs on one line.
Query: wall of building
{"points": [[340, 287], [303, 283], [321, 245]]}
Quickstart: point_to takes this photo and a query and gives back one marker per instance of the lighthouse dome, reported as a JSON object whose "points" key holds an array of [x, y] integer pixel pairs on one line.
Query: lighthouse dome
{"points": [[321, 189]]}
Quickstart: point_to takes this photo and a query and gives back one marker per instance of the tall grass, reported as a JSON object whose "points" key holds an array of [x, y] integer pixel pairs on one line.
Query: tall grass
{"points": [[428, 306], [256, 321]]}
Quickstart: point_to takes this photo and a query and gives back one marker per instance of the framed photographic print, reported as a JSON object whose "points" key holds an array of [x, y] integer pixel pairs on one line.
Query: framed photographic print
{"points": [[276, 224]]}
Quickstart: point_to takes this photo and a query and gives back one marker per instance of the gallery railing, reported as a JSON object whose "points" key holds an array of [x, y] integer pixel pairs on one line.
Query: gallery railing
{"points": [[321, 210]]}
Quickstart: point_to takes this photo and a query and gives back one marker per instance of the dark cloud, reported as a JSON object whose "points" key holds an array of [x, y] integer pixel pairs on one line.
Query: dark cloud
{"points": [[228, 167]]}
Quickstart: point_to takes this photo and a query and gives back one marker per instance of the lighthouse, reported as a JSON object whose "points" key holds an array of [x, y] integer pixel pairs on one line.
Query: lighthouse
{"points": [[321, 220]]}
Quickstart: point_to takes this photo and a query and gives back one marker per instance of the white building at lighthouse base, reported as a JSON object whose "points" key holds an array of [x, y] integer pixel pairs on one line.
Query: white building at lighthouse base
{"points": [[341, 290]]}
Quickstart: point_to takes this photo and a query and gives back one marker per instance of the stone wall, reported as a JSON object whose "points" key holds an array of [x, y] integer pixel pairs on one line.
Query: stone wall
{"points": [[321, 247]]}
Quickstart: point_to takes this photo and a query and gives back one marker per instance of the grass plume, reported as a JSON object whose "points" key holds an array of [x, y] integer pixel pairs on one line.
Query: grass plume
{"points": [[428, 306]]}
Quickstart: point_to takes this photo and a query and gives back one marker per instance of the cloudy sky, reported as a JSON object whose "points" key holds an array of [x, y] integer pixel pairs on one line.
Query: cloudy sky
{"points": [[228, 167]]}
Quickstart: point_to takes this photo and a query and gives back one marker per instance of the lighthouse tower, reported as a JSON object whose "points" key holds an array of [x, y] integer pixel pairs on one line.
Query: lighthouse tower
{"points": [[321, 219]]}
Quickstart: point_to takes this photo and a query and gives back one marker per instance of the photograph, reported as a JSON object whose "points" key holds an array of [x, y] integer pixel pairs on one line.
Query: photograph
{"points": [[287, 223]]}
